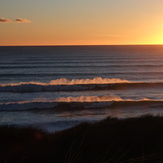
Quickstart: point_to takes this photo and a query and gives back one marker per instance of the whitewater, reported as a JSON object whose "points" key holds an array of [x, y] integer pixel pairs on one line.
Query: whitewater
{"points": [[54, 88]]}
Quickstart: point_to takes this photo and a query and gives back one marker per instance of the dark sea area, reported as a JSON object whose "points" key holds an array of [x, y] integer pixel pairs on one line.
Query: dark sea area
{"points": [[57, 87]]}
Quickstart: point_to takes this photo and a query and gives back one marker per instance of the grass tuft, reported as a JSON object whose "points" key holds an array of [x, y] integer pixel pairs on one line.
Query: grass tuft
{"points": [[111, 140]]}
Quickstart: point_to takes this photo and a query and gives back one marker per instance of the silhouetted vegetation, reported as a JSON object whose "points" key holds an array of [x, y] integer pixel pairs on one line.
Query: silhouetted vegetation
{"points": [[111, 140]]}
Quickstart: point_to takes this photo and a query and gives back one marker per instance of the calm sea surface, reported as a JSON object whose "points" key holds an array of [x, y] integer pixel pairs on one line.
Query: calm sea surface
{"points": [[58, 87]]}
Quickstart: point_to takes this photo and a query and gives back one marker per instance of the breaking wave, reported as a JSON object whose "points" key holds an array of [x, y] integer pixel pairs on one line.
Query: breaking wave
{"points": [[64, 84], [79, 103], [97, 80], [64, 81], [89, 99]]}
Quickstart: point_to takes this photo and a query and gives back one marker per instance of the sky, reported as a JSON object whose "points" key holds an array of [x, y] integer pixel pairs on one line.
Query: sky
{"points": [[81, 22]]}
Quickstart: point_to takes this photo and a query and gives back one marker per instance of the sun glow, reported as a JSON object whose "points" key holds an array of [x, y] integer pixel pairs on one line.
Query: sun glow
{"points": [[82, 23]]}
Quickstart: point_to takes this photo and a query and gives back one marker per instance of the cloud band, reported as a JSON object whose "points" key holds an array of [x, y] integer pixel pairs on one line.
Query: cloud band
{"points": [[17, 20], [4, 20]]}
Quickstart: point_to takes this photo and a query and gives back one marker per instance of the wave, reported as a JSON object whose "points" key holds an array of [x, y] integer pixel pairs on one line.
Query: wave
{"points": [[79, 66], [61, 84], [64, 84], [78, 73], [64, 81], [80, 103], [89, 99]]}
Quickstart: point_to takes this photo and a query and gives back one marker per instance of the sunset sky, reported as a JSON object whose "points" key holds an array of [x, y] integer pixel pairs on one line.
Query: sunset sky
{"points": [[81, 22]]}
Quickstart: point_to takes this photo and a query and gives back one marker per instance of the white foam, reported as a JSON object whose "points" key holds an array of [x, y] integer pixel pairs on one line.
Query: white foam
{"points": [[89, 99], [62, 84], [97, 80], [64, 81]]}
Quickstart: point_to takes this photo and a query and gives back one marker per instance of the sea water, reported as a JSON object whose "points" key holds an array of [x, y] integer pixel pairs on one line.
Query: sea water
{"points": [[57, 87]]}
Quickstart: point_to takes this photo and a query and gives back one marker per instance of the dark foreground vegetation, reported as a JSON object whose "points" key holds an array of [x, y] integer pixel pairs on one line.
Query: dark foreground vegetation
{"points": [[111, 140]]}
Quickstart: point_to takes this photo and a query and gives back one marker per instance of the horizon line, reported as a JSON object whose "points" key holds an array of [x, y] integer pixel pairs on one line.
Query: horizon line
{"points": [[86, 45]]}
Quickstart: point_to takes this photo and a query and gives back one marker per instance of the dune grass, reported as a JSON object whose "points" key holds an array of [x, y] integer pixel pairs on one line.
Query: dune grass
{"points": [[111, 140]]}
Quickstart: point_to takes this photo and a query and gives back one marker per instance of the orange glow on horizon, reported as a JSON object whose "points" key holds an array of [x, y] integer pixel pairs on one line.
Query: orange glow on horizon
{"points": [[82, 23]]}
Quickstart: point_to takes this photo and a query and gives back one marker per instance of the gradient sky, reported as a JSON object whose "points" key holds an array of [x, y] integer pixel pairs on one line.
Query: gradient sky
{"points": [[81, 22]]}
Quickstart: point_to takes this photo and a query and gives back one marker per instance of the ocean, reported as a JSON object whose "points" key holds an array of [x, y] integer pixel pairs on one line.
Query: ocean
{"points": [[57, 87]]}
